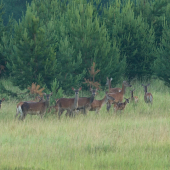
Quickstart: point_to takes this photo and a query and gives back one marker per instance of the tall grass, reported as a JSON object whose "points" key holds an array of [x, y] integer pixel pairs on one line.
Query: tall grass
{"points": [[138, 138]]}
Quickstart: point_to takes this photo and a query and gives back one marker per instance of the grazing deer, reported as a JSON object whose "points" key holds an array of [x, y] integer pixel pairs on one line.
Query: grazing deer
{"points": [[118, 96], [134, 98], [35, 108], [112, 90], [148, 96], [69, 104], [18, 109], [1, 101], [121, 106], [84, 103], [97, 104]]}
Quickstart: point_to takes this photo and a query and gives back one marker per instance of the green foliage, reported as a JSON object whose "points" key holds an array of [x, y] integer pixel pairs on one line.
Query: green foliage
{"points": [[4, 31], [89, 37], [56, 90], [134, 37], [15, 8], [33, 57], [162, 62], [153, 12]]}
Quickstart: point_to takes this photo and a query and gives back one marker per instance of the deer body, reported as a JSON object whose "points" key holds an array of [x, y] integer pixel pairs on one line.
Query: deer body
{"points": [[148, 98], [1, 101], [118, 96], [121, 106], [69, 104], [97, 104], [34, 108], [84, 103], [19, 110], [134, 98], [112, 90]]}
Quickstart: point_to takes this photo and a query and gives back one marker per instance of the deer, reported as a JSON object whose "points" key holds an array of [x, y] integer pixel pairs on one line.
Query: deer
{"points": [[134, 98], [97, 104], [18, 109], [1, 101], [121, 106], [118, 96], [112, 90], [84, 103], [35, 108], [148, 98], [69, 104]]}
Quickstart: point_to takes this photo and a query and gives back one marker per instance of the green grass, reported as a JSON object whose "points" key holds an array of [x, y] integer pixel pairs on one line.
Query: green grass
{"points": [[139, 138]]}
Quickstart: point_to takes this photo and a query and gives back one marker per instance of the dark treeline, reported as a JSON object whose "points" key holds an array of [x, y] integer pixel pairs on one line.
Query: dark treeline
{"points": [[55, 42]]}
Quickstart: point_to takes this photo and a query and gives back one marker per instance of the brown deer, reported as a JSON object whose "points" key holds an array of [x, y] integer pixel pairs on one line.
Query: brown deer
{"points": [[133, 98], [97, 104], [35, 108], [112, 90], [1, 101], [148, 96], [18, 109], [118, 96], [84, 103], [69, 104], [121, 106]]}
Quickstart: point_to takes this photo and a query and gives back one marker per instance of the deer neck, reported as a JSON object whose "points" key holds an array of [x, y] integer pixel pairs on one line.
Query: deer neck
{"points": [[76, 100], [123, 89], [92, 99], [47, 103], [109, 84]]}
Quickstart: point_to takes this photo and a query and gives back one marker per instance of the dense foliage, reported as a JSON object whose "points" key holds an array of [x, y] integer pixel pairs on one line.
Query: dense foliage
{"points": [[57, 41]]}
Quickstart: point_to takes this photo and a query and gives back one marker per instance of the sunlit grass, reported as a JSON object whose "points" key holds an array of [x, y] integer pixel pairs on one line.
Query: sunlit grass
{"points": [[138, 138]]}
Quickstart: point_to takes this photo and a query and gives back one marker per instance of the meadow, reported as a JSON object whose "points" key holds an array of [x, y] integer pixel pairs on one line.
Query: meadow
{"points": [[138, 138]]}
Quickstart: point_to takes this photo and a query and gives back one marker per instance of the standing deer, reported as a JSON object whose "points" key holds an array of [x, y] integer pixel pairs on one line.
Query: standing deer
{"points": [[35, 108], [97, 104], [1, 101], [134, 98], [118, 96], [69, 104], [84, 103], [121, 106], [19, 110], [148, 96], [112, 90]]}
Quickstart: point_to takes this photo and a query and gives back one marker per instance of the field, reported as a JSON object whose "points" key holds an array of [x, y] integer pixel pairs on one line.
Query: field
{"points": [[138, 138]]}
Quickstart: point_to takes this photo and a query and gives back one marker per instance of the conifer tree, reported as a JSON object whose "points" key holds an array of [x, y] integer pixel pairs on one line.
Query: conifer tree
{"points": [[33, 57], [162, 62], [88, 36], [5, 32], [134, 37]]}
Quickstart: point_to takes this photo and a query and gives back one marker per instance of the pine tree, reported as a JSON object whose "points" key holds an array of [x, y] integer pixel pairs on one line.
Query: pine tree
{"points": [[5, 32], [162, 62], [33, 57], [88, 36], [134, 37]]}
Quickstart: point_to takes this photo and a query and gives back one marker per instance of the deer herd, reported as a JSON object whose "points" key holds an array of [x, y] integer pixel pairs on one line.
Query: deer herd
{"points": [[83, 105]]}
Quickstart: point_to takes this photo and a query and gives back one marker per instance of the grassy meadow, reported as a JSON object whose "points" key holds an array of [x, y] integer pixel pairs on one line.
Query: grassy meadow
{"points": [[138, 138]]}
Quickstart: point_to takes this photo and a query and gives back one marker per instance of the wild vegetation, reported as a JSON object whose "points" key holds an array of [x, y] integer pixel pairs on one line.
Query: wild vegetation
{"points": [[138, 138], [56, 45]]}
